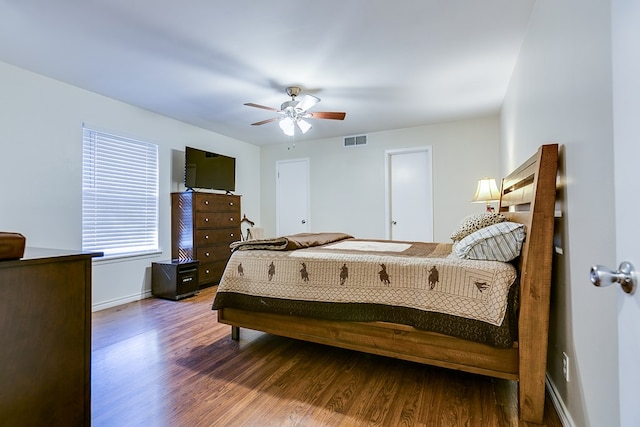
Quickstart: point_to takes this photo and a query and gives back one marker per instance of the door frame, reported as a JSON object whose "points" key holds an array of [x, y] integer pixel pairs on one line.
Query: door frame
{"points": [[387, 181], [307, 162]]}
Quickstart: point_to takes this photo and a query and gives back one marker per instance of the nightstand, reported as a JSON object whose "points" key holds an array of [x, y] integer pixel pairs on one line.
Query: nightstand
{"points": [[174, 279]]}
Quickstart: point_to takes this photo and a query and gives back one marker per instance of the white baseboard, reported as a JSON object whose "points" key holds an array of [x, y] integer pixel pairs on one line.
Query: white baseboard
{"points": [[558, 403], [120, 301]]}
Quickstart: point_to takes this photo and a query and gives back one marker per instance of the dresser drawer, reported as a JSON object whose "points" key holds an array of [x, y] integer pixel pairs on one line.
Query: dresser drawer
{"points": [[216, 236], [217, 219], [212, 253], [211, 272], [216, 203]]}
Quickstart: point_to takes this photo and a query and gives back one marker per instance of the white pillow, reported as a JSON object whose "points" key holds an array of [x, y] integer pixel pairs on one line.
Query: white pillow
{"points": [[498, 242]]}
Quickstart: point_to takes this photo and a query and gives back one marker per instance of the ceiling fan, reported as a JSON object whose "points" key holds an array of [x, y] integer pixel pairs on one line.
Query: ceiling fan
{"points": [[295, 112]]}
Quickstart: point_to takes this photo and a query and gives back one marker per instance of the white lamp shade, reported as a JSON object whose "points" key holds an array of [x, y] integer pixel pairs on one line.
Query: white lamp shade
{"points": [[303, 125], [287, 126], [487, 191]]}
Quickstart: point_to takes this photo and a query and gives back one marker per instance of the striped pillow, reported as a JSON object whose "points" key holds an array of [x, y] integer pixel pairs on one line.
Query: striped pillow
{"points": [[498, 242]]}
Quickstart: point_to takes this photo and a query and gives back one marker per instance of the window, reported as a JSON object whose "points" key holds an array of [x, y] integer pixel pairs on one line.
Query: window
{"points": [[119, 194]]}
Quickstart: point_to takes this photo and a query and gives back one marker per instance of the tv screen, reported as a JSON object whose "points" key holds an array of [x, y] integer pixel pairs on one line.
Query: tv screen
{"points": [[209, 170]]}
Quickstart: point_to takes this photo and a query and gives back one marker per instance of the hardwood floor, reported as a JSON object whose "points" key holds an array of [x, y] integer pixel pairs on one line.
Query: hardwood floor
{"points": [[164, 363]]}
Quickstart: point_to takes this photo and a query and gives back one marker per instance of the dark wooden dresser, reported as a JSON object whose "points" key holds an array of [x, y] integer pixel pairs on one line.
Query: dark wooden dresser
{"points": [[202, 227], [45, 333]]}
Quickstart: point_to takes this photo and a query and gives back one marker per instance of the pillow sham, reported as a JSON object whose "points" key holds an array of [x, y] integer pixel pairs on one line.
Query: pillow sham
{"points": [[498, 242], [472, 223]]}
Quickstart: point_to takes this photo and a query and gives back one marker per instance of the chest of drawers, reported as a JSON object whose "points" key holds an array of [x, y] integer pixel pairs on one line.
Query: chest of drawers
{"points": [[202, 227]]}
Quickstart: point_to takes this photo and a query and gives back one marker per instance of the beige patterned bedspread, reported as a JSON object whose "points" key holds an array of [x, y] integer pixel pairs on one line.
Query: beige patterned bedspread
{"points": [[424, 276]]}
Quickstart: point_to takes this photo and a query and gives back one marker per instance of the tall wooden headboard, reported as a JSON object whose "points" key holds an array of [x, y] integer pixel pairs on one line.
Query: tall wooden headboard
{"points": [[527, 190]]}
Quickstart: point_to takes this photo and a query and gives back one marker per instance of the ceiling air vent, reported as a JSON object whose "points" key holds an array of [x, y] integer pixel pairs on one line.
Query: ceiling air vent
{"points": [[352, 141]]}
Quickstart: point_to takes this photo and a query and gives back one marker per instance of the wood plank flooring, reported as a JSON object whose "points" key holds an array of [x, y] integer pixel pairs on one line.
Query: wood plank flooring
{"points": [[164, 363]]}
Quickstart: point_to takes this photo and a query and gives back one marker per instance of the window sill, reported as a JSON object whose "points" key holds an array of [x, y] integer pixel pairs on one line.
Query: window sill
{"points": [[108, 259]]}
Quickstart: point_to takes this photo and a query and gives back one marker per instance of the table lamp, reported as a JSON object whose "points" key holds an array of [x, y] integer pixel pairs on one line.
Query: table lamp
{"points": [[487, 192]]}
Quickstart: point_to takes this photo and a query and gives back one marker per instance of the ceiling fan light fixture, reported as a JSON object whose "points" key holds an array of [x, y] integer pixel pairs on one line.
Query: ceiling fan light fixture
{"points": [[295, 111]]}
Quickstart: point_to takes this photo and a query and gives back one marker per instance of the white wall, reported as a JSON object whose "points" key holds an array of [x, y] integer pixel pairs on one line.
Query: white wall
{"points": [[40, 169], [347, 183], [561, 92]]}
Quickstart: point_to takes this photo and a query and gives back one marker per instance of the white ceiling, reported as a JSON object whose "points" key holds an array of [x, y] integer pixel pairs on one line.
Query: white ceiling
{"points": [[388, 64]]}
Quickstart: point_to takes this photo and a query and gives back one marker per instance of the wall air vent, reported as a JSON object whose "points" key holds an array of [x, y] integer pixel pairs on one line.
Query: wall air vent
{"points": [[353, 141]]}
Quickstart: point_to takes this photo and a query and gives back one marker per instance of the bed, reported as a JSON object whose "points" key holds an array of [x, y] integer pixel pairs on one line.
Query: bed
{"points": [[485, 317]]}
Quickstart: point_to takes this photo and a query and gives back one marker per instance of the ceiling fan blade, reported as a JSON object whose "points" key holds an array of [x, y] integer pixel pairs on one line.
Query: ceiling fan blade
{"points": [[251, 104], [265, 121], [307, 102], [333, 115]]}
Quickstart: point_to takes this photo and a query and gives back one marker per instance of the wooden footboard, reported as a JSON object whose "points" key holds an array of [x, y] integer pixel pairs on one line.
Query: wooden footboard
{"points": [[528, 197]]}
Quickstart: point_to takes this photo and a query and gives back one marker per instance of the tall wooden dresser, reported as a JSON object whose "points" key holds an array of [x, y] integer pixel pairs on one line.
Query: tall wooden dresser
{"points": [[202, 227]]}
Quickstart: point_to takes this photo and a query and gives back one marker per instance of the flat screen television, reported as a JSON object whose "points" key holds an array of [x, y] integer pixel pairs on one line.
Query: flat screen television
{"points": [[206, 170]]}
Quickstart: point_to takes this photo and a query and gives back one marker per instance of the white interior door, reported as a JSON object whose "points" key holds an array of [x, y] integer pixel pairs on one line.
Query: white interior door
{"points": [[409, 194], [626, 110], [292, 197]]}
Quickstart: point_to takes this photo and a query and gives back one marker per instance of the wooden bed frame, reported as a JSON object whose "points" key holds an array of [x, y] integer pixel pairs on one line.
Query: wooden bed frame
{"points": [[528, 197]]}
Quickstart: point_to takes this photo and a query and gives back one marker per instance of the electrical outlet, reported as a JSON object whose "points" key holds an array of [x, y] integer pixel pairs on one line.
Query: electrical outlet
{"points": [[565, 366]]}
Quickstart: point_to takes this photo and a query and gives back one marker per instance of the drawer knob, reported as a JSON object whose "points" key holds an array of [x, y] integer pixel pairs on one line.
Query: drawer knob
{"points": [[230, 203], [206, 237], [207, 271], [231, 235], [231, 219], [206, 202], [206, 220], [207, 254]]}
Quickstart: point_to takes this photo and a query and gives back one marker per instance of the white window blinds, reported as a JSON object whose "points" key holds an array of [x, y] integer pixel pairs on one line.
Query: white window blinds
{"points": [[119, 194]]}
